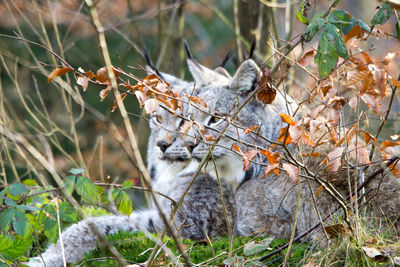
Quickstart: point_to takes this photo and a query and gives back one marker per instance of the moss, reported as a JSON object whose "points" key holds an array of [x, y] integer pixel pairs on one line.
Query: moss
{"points": [[136, 247]]}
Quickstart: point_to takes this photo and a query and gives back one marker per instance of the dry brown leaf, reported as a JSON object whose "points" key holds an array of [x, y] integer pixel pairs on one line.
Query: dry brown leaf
{"points": [[354, 32], [115, 105], [313, 154], [141, 97], [307, 58], [337, 102], [57, 73], [372, 102], [360, 153], [353, 103], [185, 128], [336, 230], [389, 57], [355, 76], [334, 159], [103, 93], [319, 190], [282, 136], [288, 119], [197, 100], [102, 75], [368, 137], [395, 82], [271, 168], [83, 81], [295, 133], [380, 77], [209, 137], [316, 111], [250, 129], [372, 240], [265, 92], [292, 170], [151, 105]]}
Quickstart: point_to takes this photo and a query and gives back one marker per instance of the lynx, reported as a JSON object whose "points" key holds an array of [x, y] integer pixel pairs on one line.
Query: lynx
{"points": [[201, 213]]}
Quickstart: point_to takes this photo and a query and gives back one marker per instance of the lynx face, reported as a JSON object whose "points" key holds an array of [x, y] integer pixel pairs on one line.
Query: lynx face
{"points": [[167, 154]]}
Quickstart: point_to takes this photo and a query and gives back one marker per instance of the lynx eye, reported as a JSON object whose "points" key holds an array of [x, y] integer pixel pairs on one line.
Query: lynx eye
{"points": [[214, 120], [158, 118]]}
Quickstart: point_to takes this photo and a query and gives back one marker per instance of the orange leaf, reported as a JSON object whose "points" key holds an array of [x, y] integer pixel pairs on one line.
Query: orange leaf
{"points": [[288, 119], [265, 92], [248, 157], [282, 136], [354, 32], [141, 97], [313, 154], [368, 137], [57, 73], [387, 143], [115, 105], [394, 170], [351, 133], [102, 75], [209, 137], [292, 170], [128, 86], [318, 191], [249, 130], [306, 140], [395, 82], [197, 100], [355, 76], [360, 153], [271, 168]]}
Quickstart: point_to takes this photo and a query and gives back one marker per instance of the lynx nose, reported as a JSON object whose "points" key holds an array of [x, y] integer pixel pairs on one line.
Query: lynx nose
{"points": [[190, 145], [163, 145]]}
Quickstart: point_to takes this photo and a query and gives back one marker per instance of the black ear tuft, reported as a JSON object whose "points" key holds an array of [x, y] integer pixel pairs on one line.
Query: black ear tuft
{"points": [[226, 58], [189, 54], [252, 48], [148, 61]]}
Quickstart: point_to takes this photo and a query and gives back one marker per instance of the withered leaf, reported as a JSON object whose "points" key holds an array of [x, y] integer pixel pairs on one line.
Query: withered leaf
{"points": [[115, 105], [336, 230], [58, 72], [265, 92], [288, 119], [209, 137], [197, 100], [83, 81], [102, 75], [151, 105], [292, 170], [307, 58], [250, 129], [334, 159], [271, 168], [372, 102], [103, 93]]}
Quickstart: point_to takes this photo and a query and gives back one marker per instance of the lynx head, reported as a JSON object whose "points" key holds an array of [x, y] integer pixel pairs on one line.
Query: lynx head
{"points": [[225, 96]]}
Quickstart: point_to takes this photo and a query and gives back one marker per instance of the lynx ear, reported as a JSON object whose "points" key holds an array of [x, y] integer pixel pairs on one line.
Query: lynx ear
{"points": [[223, 72], [247, 75], [204, 76]]}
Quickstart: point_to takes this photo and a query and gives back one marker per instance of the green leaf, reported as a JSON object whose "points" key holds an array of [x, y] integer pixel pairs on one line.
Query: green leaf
{"points": [[312, 29], [87, 190], [304, 6], [330, 47], [17, 189], [69, 184], [124, 203], [68, 213], [2, 194], [382, 15], [127, 184], [29, 182], [10, 202], [5, 218], [76, 171], [21, 224], [26, 207], [51, 229], [12, 247], [253, 248]]}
